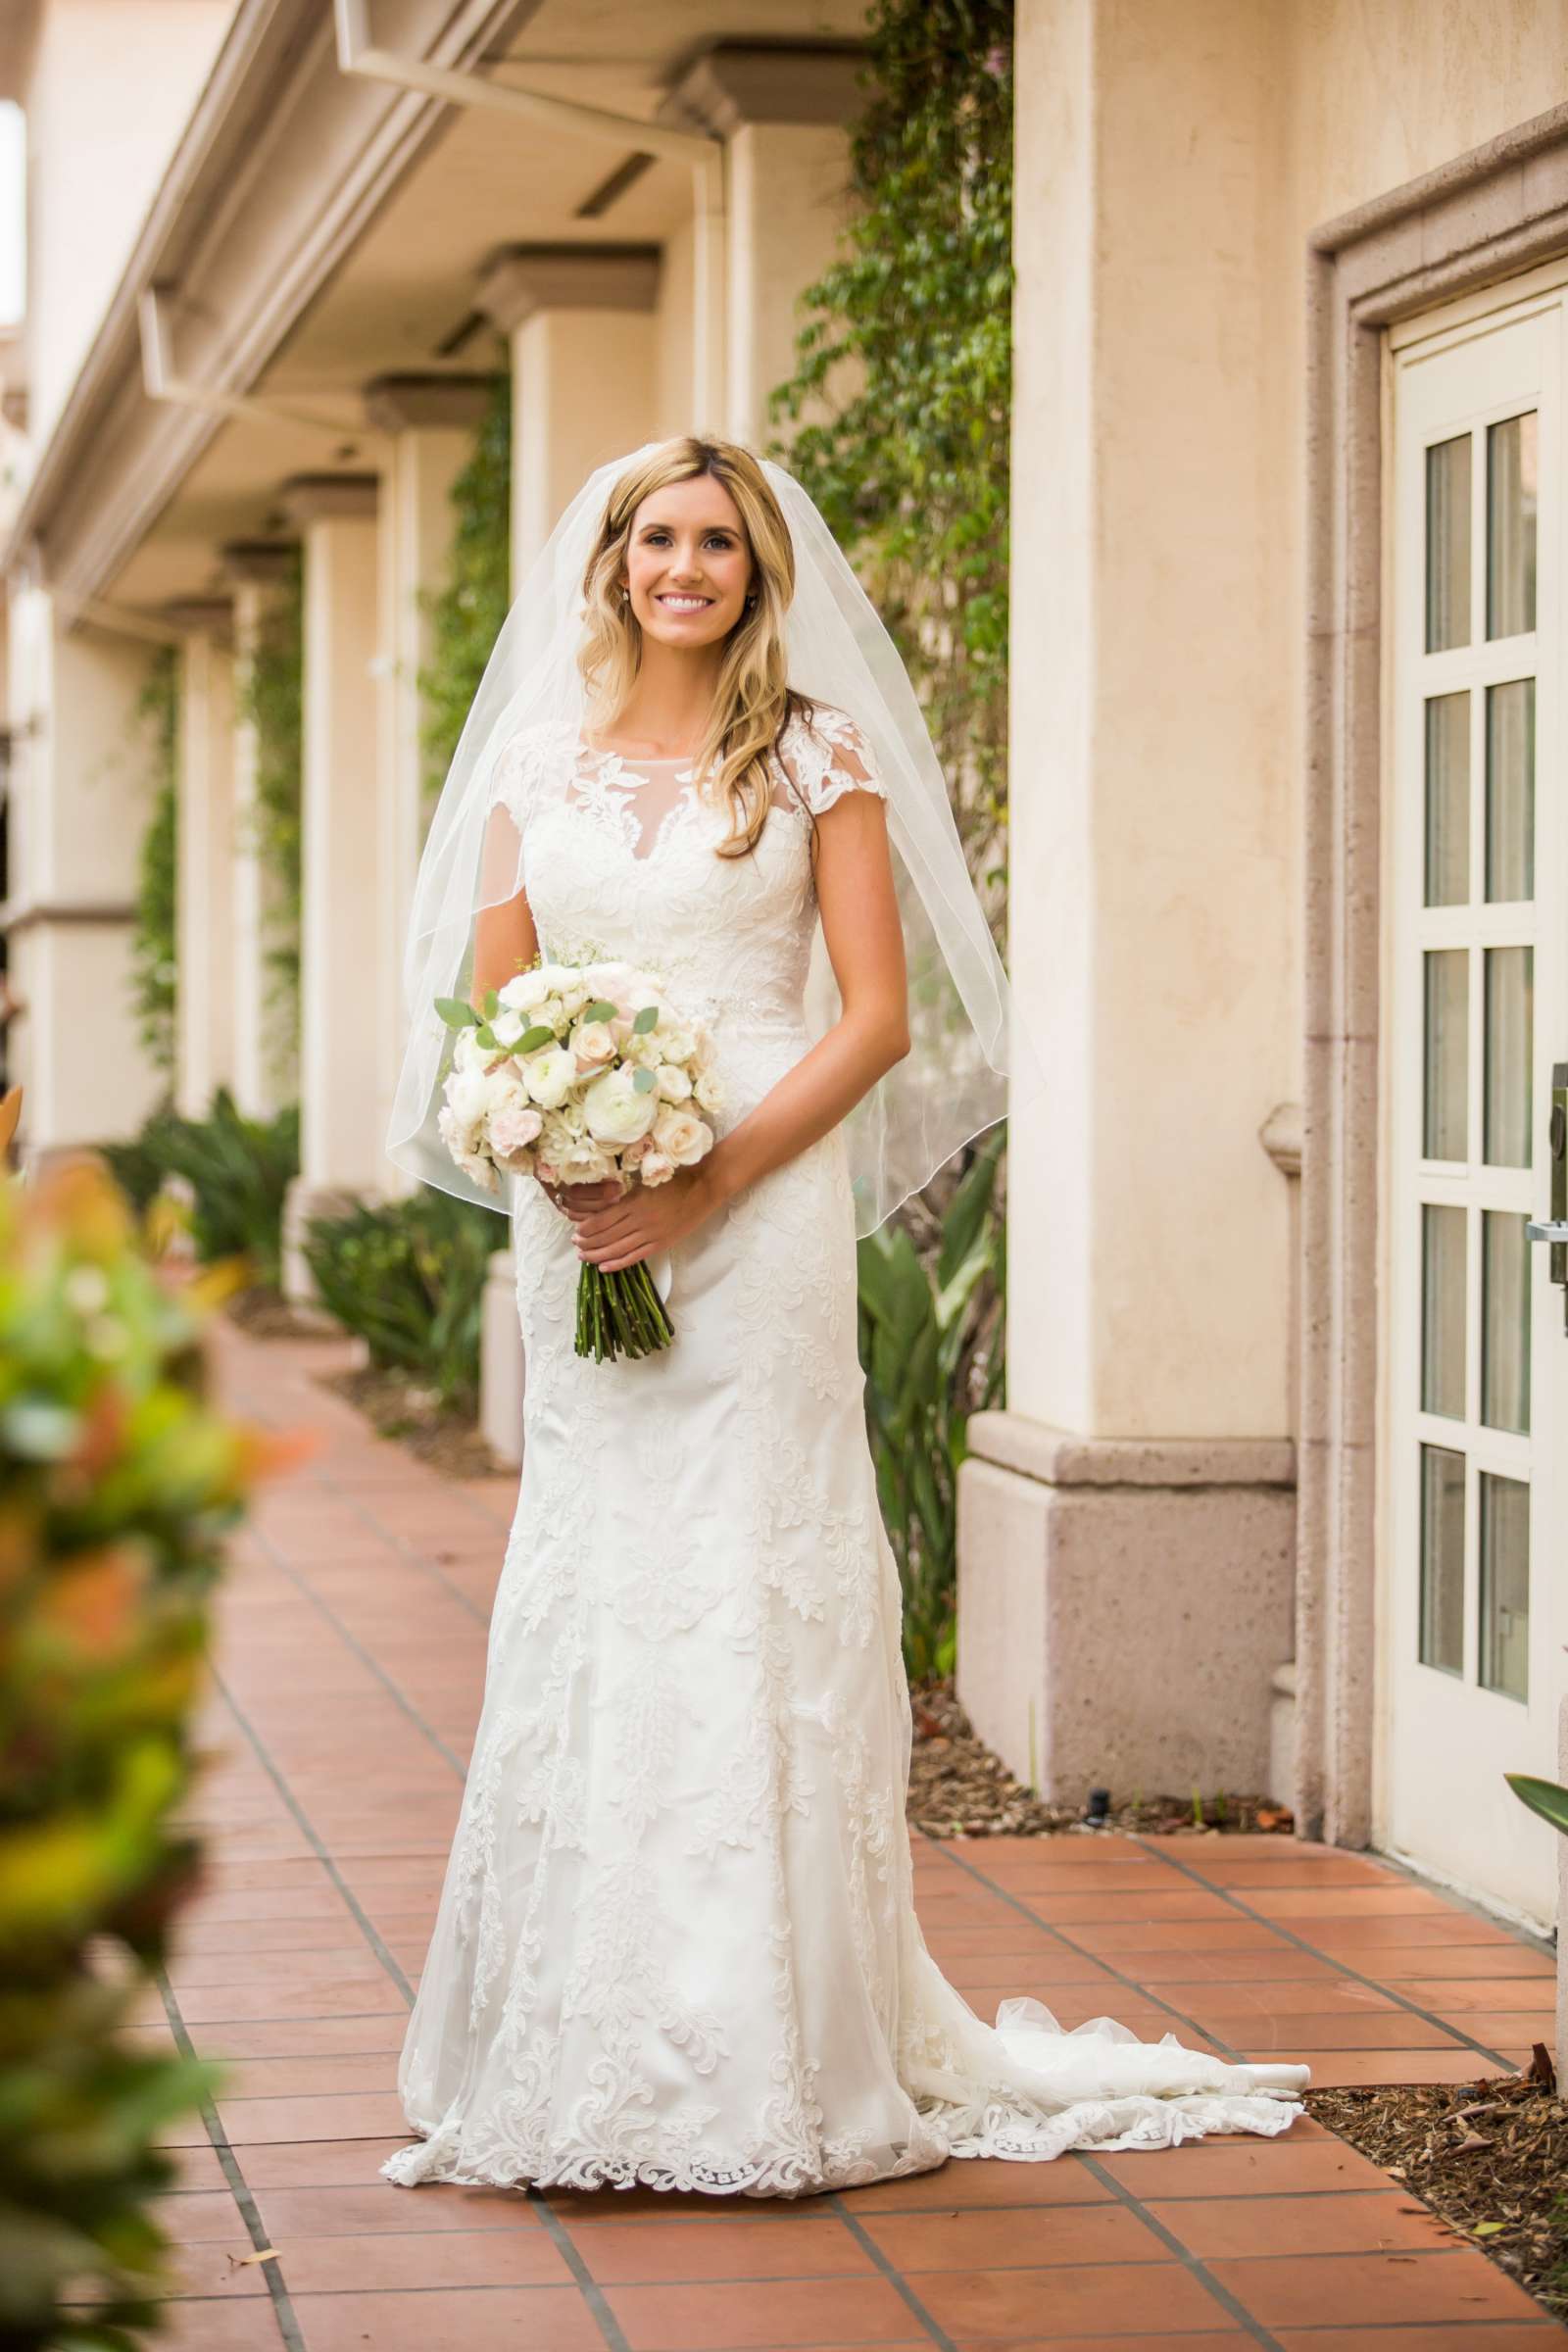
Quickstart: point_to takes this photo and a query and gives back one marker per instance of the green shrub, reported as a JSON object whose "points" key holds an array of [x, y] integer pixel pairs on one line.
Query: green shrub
{"points": [[117, 1481], [408, 1275], [237, 1170], [154, 946], [930, 1330]]}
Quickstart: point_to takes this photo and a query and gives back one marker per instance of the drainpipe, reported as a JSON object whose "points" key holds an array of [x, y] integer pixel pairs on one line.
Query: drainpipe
{"points": [[703, 156]]}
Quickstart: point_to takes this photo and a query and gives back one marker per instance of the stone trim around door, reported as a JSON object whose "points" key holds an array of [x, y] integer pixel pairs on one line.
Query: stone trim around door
{"points": [[1478, 220]]}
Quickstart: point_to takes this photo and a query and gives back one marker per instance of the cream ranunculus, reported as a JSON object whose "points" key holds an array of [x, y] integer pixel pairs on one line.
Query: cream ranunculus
{"points": [[681, 1136], [524, 992], [549, 1076], [616, 1114]]}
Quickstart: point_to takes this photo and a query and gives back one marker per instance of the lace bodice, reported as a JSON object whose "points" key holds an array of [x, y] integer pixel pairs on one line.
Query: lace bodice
{"points": [[618, 857]]}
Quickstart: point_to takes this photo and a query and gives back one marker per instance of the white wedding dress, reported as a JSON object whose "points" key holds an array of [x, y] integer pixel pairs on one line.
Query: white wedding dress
{"points": [[677, 1943]]}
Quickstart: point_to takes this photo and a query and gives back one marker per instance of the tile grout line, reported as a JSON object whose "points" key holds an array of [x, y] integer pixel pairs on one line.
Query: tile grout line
{"points": [[351, 1642], [1346, 1968], [588, 2287], [1195, 2262], [892, 2273], [1080, 1951], [283, 2311]]}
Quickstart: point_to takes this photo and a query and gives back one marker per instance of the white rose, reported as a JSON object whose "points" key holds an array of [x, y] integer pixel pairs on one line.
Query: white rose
{"points": [[681, 1136], [549, 1076], [572, 1001], [525, 991], [676, 1042], [610, 979], [507, 1027], [708, 1090], [592, 1044], [587, 1164], [656, 1167], [616, 1114], [467, 1054], [468, 1094], [671, 1083]]}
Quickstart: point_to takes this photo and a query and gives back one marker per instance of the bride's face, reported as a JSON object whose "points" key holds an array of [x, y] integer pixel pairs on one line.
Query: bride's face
{"points": [[688, 567]]}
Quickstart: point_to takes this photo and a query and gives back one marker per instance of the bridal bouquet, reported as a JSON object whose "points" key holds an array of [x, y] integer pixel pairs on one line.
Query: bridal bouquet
{"points": [[575, 1073]]}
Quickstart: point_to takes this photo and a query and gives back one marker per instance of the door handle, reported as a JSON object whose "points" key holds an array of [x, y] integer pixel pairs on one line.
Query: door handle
{"points": [[1552, 1228]]}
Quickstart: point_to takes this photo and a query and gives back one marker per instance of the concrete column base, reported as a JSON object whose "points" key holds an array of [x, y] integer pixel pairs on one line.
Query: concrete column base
{"points": [[303, 1200], [1123, 1606], [501, 1361]]}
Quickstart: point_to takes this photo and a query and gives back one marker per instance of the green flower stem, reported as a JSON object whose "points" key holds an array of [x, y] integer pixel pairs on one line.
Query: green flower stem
{"points": [[621, 1313]]}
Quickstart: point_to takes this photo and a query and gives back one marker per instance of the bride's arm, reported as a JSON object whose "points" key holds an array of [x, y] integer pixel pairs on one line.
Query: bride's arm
{"points": [[865, 941]]}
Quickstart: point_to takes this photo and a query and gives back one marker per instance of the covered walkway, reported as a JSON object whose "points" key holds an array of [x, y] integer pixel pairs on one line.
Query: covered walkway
{"points": [[348, 1678]]}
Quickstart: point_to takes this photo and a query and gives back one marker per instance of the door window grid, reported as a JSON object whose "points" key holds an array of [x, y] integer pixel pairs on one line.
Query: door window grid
{"points": [[1476, 932]]}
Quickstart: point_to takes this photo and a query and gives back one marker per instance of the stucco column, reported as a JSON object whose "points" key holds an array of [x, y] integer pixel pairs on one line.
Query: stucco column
{"points": [[784, 115], [431, 421], [79, 799], [204, 877], [340, 1153], [580, 321], [263, 1061], [1127, 1528]]}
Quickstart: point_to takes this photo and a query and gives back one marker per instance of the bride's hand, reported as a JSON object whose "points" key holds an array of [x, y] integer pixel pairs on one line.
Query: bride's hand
{"points": [[651, 1217], [579, 1200]]}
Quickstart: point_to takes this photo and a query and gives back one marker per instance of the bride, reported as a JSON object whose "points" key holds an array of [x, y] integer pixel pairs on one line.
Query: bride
{"points": [[678, 1941]]}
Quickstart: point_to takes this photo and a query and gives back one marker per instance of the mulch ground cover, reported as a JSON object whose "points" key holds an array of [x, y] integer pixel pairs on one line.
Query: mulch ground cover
{"points": [[959, 1788], [1490, 2158]]}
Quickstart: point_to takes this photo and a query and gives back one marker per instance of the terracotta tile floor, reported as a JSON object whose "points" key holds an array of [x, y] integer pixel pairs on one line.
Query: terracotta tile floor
{"points": [[349, 1678]]}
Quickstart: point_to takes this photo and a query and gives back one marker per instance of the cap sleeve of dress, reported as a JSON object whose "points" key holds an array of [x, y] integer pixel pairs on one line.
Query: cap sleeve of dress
{"points": [[826, 755]]}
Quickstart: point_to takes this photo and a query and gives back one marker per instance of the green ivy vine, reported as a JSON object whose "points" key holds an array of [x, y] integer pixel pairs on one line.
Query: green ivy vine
{"points": [[466, 614], [899, 406], [270, 698], [154, 949]]}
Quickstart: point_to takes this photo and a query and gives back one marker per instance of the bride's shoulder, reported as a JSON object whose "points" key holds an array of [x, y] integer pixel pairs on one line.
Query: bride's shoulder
{"points": [[825, 754], [528, 756]]}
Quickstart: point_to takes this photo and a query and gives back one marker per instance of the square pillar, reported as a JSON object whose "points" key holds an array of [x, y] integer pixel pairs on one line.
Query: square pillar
{"points": [[80, 797], [342, 884], [431, 421], [264, 1062], [205, 873], [1126, 1564], [581, 322], [784, 115]]}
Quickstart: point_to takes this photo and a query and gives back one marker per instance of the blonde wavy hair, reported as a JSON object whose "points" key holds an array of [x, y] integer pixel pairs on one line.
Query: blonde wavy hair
{"points": [[754, 699]]}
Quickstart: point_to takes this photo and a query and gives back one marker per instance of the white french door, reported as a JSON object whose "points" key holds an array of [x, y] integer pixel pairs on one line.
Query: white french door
{"points": [[1474, 1425]]}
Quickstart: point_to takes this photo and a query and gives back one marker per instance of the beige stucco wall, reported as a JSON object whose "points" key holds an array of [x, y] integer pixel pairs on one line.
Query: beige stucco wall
{"points": [[112, 85], [1171, 165]]}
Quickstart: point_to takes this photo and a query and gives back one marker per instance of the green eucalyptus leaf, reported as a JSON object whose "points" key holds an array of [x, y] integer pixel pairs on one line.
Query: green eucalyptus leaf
{"points": [[600, 1009], [647, 1019], [644, 1082], [541, 1034], [455, 1012]]}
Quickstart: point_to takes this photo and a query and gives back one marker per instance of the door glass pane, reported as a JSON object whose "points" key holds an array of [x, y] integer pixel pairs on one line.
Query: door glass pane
{"points": [[1445, 1126], [1448, 544], [1447, 882], [1442, 1559], [1511, 790], [1504, 1321], [1443, 1310], [1511, 475], [1510, 990], [1504, 1586]]}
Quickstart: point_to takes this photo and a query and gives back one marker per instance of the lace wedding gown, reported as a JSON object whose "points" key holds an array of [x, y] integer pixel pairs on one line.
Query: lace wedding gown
{"points": [[678, 1941]]}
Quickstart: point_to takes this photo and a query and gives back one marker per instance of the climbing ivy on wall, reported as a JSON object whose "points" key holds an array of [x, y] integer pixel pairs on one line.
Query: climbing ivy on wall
{"points": [[898, 414], [154, 947], [466, 614], [271, 696]]}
